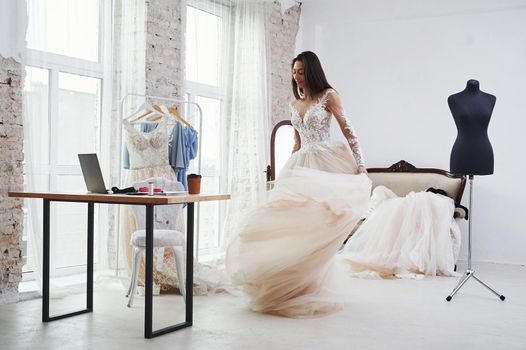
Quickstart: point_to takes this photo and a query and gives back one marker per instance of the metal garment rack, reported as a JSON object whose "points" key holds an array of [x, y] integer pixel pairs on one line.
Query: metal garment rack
{"points": [[200, 116]]}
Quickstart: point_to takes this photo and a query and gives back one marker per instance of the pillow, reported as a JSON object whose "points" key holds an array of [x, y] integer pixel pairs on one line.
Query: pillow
{"points": [[379, 195]]}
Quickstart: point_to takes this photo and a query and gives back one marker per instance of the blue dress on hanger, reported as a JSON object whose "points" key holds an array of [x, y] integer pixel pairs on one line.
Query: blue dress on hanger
{"points": [[183, 148]]}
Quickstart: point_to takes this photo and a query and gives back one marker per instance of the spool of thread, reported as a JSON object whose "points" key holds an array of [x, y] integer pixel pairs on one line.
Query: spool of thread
{"points": [[150, 188]]}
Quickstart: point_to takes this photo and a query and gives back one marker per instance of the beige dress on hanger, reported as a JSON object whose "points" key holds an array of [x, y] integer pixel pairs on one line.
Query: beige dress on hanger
{"points": [[148, 158]]}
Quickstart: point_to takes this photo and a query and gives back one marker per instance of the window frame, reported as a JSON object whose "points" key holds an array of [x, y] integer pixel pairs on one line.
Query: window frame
{"points": [[194, 89], [55, 64]]}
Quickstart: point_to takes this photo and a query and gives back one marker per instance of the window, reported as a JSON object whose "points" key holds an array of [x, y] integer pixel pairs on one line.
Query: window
{"points": [[205, 29], [63, 95], [69, 28]]}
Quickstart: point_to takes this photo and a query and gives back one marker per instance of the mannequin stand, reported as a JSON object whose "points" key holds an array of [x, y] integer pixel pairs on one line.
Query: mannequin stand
{"points": [[469, 272]]}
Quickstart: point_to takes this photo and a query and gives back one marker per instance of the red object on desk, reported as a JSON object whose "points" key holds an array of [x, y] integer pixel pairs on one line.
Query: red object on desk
{"points": [[145, 189]]}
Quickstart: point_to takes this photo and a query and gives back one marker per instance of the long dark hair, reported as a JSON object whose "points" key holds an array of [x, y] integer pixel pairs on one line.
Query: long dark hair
{"points": [[312, 72]]}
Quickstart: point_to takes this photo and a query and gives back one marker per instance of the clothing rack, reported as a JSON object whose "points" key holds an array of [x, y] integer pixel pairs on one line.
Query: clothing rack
{"points": [[200, 138], [169, 99]]}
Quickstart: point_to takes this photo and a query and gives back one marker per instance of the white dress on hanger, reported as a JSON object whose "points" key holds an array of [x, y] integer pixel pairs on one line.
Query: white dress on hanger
{"points": [[283, 256], [148, 158]]}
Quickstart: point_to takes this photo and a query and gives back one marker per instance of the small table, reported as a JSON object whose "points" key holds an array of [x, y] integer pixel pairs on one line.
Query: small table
{"points": [[149, 202]]}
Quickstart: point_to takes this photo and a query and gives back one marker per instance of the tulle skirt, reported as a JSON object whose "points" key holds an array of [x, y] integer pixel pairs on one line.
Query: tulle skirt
{"points": [[408, 236], [283, 256]]}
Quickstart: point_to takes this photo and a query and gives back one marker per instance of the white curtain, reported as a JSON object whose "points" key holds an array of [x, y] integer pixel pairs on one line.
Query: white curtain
{"points": [[129, 56], [244, 83], [74, 82], [248, 138], [13, 23]]}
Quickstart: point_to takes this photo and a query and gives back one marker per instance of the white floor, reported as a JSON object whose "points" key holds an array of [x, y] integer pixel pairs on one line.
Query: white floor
{"points": [[384, 314]]}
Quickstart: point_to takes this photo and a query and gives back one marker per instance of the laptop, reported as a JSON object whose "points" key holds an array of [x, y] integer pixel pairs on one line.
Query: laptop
{"points": [[89, 163]]}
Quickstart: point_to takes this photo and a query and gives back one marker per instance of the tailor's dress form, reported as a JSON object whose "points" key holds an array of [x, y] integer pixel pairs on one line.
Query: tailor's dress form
{"points": [[472, 153]]}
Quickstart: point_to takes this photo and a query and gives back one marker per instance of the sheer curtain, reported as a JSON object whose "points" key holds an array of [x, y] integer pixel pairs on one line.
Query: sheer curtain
{"points": [[230, 67], [129, 57], [13, 22], [249, 120], [66, 93]]}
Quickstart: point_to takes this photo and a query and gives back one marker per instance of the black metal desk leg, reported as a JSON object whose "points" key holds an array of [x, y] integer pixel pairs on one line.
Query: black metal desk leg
{"points": [[148, 314], [45, 263], [46, 242], [89, 281], [189, 263], [148, 274]]}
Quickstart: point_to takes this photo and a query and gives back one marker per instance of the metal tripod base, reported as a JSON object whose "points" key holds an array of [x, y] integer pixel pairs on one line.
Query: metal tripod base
{"points": [[467, 275]]}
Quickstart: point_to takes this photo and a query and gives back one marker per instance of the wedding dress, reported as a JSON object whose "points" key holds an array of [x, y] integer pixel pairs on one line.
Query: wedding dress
{"points": [[148, 152], [149, 157], [283, 256], [409, 236]]}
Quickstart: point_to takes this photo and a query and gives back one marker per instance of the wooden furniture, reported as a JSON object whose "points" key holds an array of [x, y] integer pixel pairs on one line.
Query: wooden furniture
{"points": [[271, 168], [403, 177], [149, 202]]}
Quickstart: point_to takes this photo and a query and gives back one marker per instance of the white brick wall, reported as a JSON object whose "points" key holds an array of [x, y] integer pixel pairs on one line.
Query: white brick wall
{"points": [[282, 30], [164, 47], [11, 179]]}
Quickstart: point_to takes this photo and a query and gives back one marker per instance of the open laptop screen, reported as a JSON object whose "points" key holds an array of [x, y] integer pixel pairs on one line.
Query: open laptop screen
{"points": [[89, 163]]}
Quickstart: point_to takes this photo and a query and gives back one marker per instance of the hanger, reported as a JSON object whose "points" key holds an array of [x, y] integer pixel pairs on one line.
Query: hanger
{"points": [[174, 112], [166, 113], [148, 114], [143, 111]]}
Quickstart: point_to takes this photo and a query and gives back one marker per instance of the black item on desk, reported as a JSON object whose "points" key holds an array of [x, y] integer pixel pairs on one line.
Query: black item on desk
{"points": [[117, 190]]}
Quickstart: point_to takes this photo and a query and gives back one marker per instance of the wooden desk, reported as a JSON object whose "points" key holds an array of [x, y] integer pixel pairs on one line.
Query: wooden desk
{"points": [[149, 202]]}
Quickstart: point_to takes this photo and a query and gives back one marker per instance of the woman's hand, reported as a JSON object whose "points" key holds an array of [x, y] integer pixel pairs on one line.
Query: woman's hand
{"points": [[361, 170]]}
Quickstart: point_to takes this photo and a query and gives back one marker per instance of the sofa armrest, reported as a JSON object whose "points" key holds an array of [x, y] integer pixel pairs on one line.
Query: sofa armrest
{"points": [[460, 213]]}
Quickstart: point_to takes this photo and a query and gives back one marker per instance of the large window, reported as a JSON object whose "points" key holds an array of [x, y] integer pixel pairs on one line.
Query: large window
{"points": [[63, 96], [204, 82]]}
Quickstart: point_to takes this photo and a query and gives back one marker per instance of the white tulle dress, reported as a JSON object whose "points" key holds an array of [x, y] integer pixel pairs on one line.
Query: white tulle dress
{"points": [[405, 237], [283, 257]]}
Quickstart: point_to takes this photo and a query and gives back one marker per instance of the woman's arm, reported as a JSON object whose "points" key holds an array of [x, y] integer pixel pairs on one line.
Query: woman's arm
{"points": [[297, 141], [334, 105]]}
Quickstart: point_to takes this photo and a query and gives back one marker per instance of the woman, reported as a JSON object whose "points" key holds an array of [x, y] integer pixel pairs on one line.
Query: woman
{"points": [[283, 256]]}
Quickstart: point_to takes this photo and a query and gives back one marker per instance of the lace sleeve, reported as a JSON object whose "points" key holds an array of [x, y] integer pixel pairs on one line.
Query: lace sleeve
{"points": [[334, 105]]}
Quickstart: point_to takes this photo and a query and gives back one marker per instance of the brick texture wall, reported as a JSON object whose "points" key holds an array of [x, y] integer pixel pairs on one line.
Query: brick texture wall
{"points": [[282, 30], [11, 179], [164, 47]]}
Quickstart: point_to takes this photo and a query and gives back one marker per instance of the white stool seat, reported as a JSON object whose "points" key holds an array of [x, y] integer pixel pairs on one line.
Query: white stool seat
{"points": [[165, 234], [161, 238]]}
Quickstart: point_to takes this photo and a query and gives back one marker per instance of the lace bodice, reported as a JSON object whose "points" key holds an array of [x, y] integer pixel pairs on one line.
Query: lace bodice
{"points": [[314, 126], [147, 150]]}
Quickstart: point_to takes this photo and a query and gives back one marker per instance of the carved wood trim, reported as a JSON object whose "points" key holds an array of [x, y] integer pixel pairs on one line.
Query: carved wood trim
{"points": [[403, 166], [271, 169]]}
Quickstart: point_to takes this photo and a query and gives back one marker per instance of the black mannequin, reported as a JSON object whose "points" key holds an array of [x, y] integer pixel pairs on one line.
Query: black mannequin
{"points": [[472, 153]]}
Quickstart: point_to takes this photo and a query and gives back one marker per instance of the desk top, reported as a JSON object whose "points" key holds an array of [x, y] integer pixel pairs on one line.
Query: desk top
{"points": [[122, 198]]}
